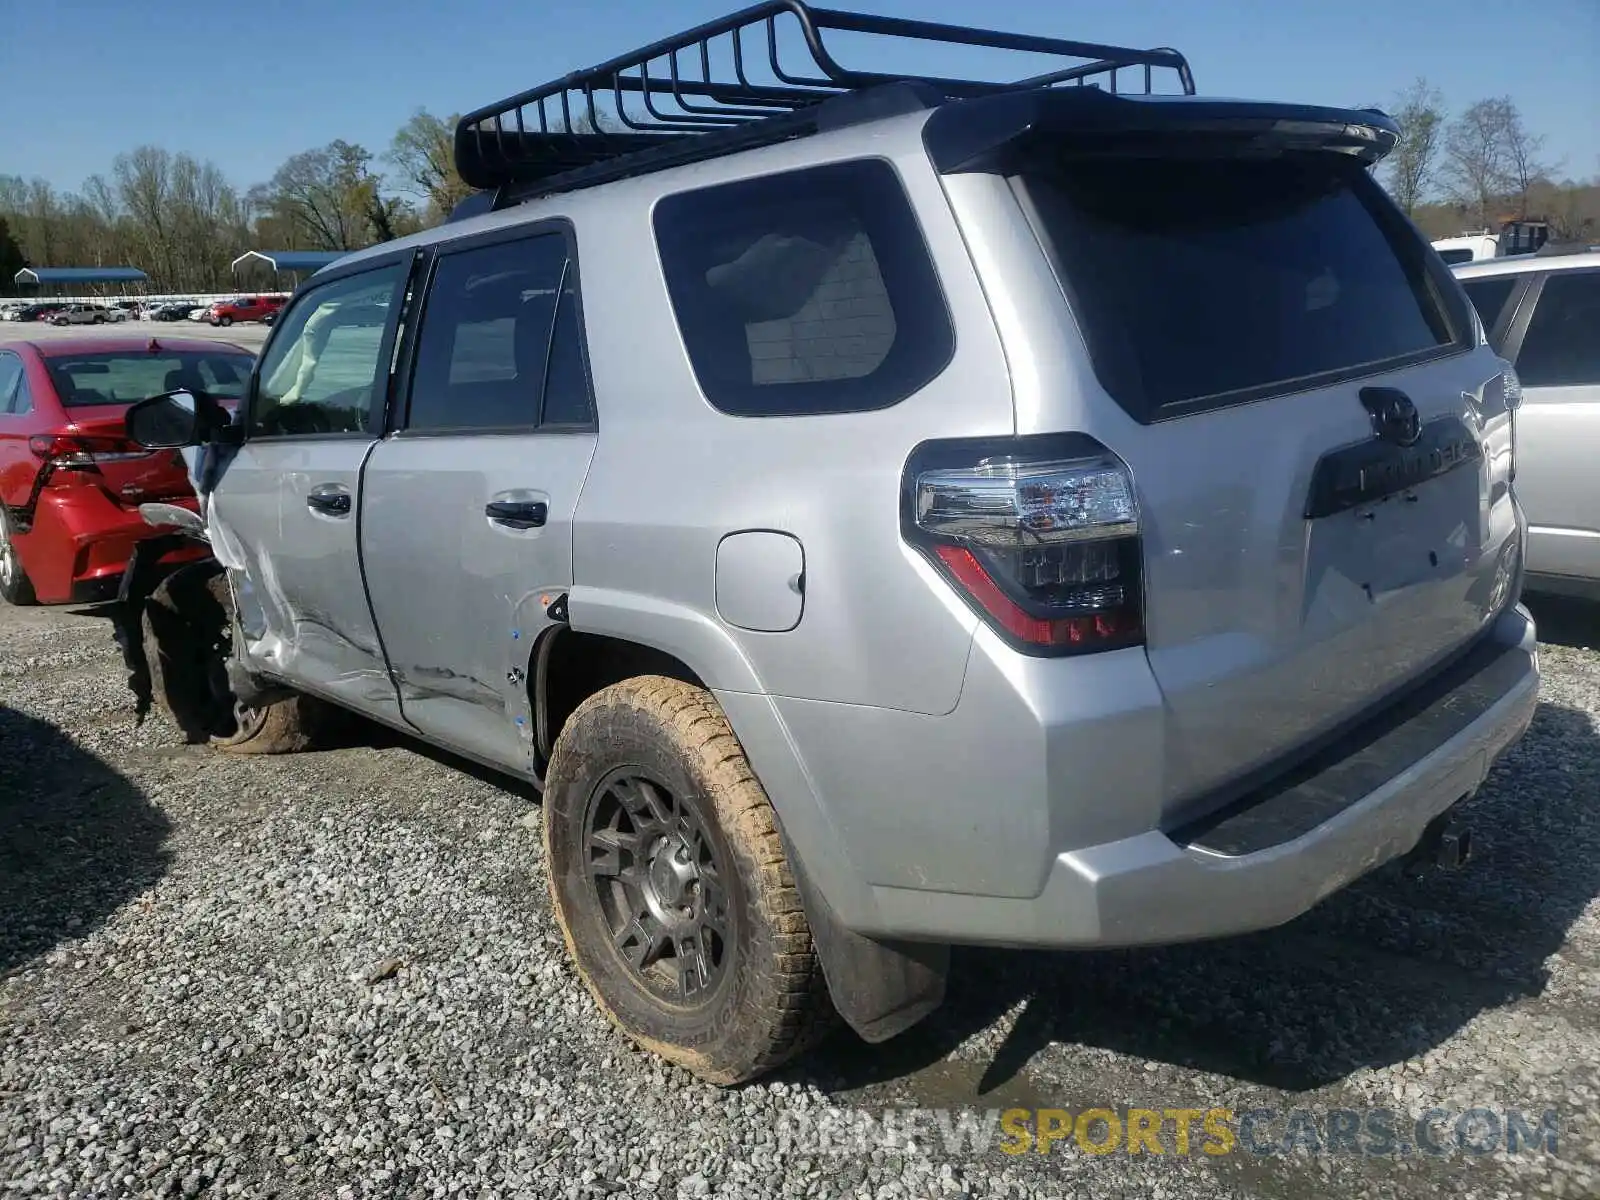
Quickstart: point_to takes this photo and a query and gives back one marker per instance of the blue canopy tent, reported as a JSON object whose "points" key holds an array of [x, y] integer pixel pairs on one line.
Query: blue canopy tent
{"points": [[282, 262], [59, 279]]}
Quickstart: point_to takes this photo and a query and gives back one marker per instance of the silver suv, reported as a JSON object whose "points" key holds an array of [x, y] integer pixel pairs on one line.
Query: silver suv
{"points": [[1542, 312], [881, 514]]}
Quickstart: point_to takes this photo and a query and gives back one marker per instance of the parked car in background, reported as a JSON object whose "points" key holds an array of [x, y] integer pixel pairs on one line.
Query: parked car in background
{"points": [[115, 314], [80, 314], [198, 312], [917, 523], [1468, 247], [1542, 314], [176, 310], [243, 308], [70, 481], [41, 311]]}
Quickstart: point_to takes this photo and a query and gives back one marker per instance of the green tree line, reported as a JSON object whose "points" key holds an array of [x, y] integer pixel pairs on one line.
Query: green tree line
{"points": [[183, 221]]}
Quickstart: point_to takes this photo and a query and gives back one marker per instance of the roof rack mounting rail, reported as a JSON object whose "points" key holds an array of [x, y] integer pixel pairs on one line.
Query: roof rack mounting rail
{"points": [[728, 85]]}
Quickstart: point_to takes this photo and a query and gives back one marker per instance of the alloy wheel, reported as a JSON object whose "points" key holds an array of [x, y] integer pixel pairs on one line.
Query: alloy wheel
{"points": [[660, 886]]}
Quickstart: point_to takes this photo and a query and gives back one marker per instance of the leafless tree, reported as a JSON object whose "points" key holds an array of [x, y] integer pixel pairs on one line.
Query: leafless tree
{"points": [[1477, 167], [1523, 157]]}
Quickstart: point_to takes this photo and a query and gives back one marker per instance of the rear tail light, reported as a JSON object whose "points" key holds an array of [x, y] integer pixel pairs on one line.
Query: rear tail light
{"points": [[75, 452], [1041, 535]]}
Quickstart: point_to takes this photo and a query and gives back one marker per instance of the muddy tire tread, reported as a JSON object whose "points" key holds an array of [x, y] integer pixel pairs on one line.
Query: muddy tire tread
{"points": [[797, 1012]]}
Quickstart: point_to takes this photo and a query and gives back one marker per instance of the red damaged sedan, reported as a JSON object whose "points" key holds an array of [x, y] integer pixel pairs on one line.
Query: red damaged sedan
{"points": [[70, 481]]}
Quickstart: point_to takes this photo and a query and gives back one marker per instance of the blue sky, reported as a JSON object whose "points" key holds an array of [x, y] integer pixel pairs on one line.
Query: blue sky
{"points": [[246, 83]]}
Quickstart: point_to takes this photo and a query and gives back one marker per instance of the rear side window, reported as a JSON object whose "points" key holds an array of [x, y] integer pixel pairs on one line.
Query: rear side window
{"points": [[1205, 282], [1453, 257], [10, 382], [1489, 296], [806, 292], [1562, 345], [500, 340]]}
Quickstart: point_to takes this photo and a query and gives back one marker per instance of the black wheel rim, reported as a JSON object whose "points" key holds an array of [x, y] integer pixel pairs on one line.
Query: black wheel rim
{"points": [[661, 887]]}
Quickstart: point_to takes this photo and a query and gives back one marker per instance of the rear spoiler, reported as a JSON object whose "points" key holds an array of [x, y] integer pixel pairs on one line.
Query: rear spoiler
{"points": [[992, 134]]}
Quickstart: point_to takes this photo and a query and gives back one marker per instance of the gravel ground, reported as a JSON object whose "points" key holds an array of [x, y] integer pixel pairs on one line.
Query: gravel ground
{"points": [[335, 975]]}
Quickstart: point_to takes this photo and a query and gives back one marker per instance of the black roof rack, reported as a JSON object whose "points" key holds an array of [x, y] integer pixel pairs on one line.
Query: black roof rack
{"points": [[703, 93]]}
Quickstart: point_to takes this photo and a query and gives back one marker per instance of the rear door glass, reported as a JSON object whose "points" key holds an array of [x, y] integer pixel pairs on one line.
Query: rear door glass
{"points": [[486, 354], [1203, 282], [1489, 296], [1562, 345]]}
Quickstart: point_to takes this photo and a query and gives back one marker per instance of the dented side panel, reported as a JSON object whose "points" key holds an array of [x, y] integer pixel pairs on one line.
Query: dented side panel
{"points": [[303, 607], [459, 595]]}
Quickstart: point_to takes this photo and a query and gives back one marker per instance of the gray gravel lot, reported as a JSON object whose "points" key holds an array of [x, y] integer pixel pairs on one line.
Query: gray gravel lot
{"points": [[334, 974]]}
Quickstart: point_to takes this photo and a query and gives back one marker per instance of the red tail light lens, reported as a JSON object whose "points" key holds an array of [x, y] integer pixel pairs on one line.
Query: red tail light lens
{"points": [[1040, 534], [67, 451]]}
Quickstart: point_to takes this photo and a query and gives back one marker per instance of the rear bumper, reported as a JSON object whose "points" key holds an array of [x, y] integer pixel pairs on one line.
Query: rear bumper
{"points": [[1263, 861], [80, 542], [1277, 855]]}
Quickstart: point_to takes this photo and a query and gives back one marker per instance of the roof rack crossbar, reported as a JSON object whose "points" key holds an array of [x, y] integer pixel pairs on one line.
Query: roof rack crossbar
{"points": [[674, 89]]}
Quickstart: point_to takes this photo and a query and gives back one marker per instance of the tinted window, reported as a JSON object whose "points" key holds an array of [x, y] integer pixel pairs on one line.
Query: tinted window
{"points": [[325, 371], [1562, 345], [1489, 296], [485, 355], [1452, 257], [1209, 281], [83, 379], [10, 382], [566, 386], [806, 292]]}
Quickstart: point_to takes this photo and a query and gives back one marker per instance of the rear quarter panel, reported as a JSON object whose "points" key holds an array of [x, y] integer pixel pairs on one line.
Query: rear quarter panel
{"points": [[672, 476]]}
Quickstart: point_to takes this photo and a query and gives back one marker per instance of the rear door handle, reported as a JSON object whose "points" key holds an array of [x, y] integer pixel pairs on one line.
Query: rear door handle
{"points": [[330, 500], [517, 514]]}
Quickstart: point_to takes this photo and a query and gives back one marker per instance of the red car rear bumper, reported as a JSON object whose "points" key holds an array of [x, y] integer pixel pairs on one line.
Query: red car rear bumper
{"points": [[79, 545]]}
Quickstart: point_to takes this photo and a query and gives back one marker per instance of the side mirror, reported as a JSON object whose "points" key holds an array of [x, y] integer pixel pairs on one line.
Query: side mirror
{"points": [[175, 419]]}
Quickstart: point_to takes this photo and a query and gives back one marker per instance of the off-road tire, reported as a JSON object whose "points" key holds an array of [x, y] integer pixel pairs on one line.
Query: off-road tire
{"points": [[186, 625], [772, 1001], [16, 588]]}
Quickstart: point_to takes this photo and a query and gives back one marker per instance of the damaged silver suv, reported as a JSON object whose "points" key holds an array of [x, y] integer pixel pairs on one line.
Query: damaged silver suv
{"points": [[880, 513]]}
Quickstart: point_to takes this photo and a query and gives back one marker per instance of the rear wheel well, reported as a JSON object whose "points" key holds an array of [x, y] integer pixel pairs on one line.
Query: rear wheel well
{"points": [[569, 667]]}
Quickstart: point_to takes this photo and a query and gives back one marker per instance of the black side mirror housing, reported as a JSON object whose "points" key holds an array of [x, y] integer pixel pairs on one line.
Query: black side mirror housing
{"points": [[175, 419]]}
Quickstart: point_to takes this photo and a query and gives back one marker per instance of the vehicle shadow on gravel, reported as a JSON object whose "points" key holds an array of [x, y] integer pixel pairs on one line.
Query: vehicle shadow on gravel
{"points": [[77, 839], [1384, 971], [1563, 621]]}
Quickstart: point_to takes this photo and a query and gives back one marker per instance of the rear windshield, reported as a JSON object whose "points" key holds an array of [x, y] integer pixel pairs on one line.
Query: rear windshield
{"points": [[86, 379], [1203, 282]]}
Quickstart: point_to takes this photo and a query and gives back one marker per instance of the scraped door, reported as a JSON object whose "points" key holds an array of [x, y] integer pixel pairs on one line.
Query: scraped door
{"points": [[467, 534], [288, 506]]}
